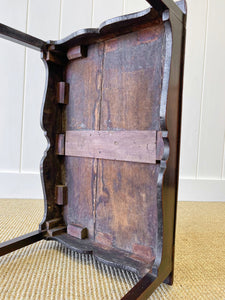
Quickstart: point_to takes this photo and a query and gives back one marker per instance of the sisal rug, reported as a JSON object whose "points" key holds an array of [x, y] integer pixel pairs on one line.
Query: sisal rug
{"points": [[47, 270]]}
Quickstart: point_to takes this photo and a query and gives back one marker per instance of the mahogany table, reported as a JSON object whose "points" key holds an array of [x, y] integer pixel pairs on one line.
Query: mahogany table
{"points": [[111, 116]]}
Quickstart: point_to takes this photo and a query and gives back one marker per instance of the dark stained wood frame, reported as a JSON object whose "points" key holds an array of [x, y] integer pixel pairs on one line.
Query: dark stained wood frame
{"points": [[56, 54]]}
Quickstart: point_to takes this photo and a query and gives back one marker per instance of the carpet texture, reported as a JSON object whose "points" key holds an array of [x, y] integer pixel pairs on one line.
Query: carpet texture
{"points": [[47, 270]]}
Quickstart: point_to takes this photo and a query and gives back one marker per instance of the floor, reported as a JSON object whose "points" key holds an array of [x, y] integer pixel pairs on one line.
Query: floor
{"points": [[46, 270]]}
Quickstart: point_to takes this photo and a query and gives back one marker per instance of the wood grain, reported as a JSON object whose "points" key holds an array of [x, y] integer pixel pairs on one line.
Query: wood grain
{"points": [[136, 146], [84, 77], [126, 206], [134, 80]]}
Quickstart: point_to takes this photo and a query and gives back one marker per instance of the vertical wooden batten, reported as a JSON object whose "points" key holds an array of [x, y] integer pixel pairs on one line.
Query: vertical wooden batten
{"points": [[61, 194], [62, 92]]}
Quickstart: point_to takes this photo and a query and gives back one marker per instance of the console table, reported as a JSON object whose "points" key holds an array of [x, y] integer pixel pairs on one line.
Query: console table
{"points": [[111, 115]]}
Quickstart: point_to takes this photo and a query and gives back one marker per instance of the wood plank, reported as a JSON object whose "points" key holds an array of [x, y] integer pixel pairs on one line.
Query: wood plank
{"points": [[104, 239], [131, 94], [136, 146], [126, 209], [83, 112], [130, 101]]}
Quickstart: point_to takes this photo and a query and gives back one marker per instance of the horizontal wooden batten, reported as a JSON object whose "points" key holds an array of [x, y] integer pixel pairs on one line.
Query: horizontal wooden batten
{"points": [[133, 146]]}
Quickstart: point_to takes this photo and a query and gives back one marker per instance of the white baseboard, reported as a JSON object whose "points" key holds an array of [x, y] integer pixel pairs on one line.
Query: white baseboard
{"points": [[20, 186], [28, 186], [201, 190]]}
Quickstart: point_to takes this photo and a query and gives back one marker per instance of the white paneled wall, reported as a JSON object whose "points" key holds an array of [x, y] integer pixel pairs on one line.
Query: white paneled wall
{"points": [[75, 14], [43, 23], [22, 78], [203, 121]]}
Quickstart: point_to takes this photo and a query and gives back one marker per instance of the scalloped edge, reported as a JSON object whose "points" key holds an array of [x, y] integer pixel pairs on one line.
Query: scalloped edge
{"points": [[102, 26]]}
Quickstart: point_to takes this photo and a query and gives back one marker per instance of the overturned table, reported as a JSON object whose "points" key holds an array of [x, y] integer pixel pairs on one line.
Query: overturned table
{"points": [[111, 116]]}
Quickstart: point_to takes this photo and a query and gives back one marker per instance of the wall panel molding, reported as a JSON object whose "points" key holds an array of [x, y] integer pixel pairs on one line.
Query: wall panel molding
{"points": [[12, 72], [20, 186], [202, 161], [211, 139], [201, 189], [193, 86]]}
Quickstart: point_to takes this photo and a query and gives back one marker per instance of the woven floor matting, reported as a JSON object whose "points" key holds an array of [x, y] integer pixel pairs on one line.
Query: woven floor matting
{"points": [[47, 270]]}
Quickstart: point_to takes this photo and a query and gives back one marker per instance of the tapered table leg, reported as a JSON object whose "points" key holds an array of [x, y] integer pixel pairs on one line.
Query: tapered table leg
{"points": [[145, 287], [21, 241]]}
